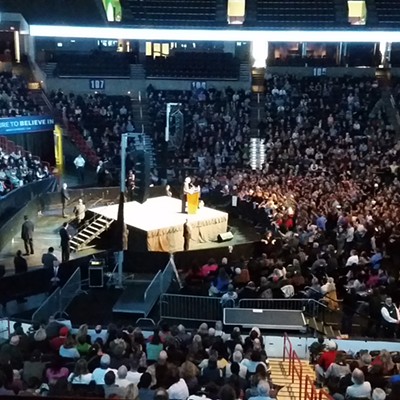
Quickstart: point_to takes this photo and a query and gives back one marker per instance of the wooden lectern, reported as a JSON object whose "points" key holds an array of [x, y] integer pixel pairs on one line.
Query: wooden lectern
{"points": [[193, 202]]}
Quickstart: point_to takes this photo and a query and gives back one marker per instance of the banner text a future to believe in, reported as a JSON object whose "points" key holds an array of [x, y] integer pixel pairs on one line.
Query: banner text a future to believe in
{"points": [[29, 124]]}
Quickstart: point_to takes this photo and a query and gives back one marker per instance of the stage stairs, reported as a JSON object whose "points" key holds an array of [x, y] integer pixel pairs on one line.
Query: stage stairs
{"points": [[90, 231], [280, 377]]}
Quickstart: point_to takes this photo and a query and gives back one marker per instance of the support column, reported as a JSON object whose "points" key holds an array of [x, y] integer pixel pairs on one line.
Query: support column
{"points": [[17, 46], [339, 54], [304, 50]]}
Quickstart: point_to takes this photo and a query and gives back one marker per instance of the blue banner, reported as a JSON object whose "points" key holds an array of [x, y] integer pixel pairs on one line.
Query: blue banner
{"points": [[31, 124]]}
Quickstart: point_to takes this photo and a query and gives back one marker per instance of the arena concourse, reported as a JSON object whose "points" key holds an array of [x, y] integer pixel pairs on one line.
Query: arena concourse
{"points": [[200, 199]]}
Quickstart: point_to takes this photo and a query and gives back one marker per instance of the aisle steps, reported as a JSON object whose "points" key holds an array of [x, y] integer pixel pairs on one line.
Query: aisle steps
{"points": [[279, 373]]}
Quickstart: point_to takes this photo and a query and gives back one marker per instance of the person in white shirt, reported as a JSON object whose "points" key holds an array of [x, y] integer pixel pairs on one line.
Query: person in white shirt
{"points": [[179, 390], [390, 318], [80, 167], [378, 394], [237, 357], [99, 333], [133, 375], [81, 374], [99, 373], [360, 387], [122, 380], [353, 259]]}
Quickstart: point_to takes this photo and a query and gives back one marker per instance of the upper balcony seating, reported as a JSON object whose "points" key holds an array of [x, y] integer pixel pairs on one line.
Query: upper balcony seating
{"points": [[296, 12], [388, 12], [169, 11], [194, 65], [98, 64]]}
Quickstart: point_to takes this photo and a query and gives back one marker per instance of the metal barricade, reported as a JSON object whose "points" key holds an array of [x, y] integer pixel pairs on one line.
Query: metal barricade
{"points": [[71, 288], [274, 304], [48, 308], [152, 293], [190, 308]]}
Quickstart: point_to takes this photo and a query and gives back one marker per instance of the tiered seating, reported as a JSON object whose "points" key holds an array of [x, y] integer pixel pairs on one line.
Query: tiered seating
{"points": [[296, 12], [98, 64], [169, 11], [388, 12], [194, 65]]}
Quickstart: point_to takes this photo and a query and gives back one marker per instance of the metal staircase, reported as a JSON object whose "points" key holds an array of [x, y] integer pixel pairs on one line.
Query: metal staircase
{"points": [[91, 230]]}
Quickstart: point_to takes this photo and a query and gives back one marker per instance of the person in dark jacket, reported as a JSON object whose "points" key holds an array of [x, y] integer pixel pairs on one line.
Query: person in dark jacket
{"points": [[65, 238], [20, 264], [27, 230]]}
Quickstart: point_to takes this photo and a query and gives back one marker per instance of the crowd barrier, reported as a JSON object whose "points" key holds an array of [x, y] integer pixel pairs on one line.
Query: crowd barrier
{"points": [[59, 299], [152, 293], [49, 307], [190, 308], [203, 308]]}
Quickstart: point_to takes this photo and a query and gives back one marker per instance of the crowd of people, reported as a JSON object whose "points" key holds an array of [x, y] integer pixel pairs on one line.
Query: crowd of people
{"points": [[326, 201], [365, 375], [101, 120], [17, 169], [216, 129], [15, 98], [172, 363]]}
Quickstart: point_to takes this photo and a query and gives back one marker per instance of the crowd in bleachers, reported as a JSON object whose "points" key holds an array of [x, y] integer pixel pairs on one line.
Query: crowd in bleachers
{"points": [[172, 363], [15, 99], [327, 198], [17, 166], [100, 119], [363, 376], [216, 128]]}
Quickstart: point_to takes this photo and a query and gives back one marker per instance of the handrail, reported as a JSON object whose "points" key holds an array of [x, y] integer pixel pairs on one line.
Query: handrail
{"points": [[325, 295], [323, 395], [310, 391], [297, 369], [287, 351], [339, 301], [151, 284]]}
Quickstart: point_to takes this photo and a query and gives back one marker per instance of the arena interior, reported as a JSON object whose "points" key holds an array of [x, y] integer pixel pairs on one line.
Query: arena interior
{"points": [[200, 199]]}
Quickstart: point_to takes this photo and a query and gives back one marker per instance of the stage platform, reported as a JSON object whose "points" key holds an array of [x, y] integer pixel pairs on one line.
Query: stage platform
{"points": [[158, 223]]}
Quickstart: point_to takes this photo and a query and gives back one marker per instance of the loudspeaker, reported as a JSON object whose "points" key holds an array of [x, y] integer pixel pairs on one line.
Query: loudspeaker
{"points": [[96, 277], [224, 237], [142, 176]]}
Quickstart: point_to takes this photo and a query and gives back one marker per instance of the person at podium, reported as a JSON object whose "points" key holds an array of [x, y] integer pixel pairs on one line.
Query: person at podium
{"points": [[186, 189]]}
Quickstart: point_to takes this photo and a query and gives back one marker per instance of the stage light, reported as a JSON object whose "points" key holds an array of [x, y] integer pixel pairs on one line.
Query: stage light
{"points": [[236, 35]]}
